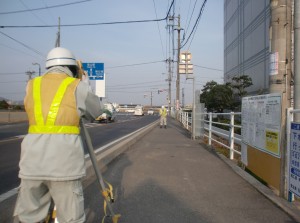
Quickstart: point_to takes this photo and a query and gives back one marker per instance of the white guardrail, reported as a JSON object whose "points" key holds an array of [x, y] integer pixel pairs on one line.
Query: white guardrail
{"points": [[210, 126]]}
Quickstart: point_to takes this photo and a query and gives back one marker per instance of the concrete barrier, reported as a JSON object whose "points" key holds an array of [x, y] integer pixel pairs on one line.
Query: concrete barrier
{"points": [[12, 116], [108, 153]]}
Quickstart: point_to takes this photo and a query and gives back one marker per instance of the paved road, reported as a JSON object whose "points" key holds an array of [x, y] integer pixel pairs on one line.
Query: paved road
{"points": [[101, 134], [168, 178]]}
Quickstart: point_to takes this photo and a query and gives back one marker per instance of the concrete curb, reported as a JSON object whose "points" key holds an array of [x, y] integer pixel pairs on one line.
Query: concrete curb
{"points": [[283, 204], [108, 154]]}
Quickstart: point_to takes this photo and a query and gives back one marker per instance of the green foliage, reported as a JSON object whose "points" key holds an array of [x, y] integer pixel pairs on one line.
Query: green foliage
{"points": [[4, 104], [218, 97], [239, 83]]}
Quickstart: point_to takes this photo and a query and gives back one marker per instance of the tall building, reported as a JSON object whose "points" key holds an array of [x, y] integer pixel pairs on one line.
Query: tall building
{"points": [[247, 42]]}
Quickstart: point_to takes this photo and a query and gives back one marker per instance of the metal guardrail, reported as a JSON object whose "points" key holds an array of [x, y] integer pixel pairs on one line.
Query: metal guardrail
{"points": [[210, 126]]}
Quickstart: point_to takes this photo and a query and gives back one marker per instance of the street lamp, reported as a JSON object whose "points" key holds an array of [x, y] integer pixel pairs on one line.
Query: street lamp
{"points": [[39, 67]]}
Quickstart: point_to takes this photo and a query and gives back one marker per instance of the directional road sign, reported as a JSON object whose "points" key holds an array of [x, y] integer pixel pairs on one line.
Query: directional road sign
{"points": [[95, 70]]}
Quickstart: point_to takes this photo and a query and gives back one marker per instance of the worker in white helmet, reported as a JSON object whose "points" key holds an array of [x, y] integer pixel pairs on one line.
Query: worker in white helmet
{"points": [[52, 156], [163, 117]]}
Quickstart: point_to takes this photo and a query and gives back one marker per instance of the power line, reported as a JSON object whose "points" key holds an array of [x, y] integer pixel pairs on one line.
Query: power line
{"points": [[130, 65], [93, 24], [188, 26], [158, 27], [42, 8], [121, 85], [209, 68], [23, 44], [196, 23]]}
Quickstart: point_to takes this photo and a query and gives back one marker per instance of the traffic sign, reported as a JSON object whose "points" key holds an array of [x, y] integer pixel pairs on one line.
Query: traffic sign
{"points": [[95, 70]]}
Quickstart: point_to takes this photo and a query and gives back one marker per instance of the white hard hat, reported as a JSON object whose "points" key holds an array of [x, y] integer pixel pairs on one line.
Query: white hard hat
{"points": [[60, 56], [162, 106]]}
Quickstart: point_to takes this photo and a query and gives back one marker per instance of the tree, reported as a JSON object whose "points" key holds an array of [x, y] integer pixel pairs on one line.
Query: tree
{"points": [[217, 97], [239, 83], [4, 104]]}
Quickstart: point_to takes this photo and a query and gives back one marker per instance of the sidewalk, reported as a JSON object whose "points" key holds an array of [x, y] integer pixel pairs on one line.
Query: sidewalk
{"points": [[167, 178]]}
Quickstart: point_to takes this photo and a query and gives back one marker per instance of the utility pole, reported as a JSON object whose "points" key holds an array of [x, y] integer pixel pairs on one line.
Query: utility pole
{"points": [[281, 20], [296, 59], [178, 75], [170, 82], [170, 62], [39, 67], [30, 74], [182, 97]]}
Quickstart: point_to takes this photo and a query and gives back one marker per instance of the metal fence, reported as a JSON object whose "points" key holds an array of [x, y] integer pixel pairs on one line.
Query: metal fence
{"points": [[213, 130]]}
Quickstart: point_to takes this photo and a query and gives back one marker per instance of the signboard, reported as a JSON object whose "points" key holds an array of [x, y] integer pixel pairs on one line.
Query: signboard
{"points": [[185, 68], [294, 159], [273, 63], [261, 122], [95, 70], [96, 76]]}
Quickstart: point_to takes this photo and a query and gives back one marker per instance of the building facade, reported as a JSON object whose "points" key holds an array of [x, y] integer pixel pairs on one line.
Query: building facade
{"points": [[247, 42]]}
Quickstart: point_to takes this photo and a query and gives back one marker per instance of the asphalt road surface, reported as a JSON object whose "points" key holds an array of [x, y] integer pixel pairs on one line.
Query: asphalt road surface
{"points": [[11, 137]]}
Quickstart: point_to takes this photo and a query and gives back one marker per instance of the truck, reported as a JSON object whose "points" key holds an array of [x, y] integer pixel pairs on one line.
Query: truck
{"points": [[139, 110], [108, 115]]}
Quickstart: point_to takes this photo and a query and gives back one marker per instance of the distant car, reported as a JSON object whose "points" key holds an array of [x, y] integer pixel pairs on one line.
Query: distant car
{"points": [[108, 115], [138, 110], [150, 112]]}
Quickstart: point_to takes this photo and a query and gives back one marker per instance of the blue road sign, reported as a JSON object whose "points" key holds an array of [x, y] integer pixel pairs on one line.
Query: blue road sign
{"points": [[95, 70]]}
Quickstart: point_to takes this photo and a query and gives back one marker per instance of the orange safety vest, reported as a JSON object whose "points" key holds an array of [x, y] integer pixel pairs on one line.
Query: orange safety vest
{"points": [[52, 98]]}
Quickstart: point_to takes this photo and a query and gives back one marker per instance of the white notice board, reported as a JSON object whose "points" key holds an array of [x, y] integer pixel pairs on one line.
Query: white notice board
{"points": [[261, 122]]}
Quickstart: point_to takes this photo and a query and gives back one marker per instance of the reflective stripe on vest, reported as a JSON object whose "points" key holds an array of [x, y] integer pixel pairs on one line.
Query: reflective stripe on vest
{"points": [[49, 127]]}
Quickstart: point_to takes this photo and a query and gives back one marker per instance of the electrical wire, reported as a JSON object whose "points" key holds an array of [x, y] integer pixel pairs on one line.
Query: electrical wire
{"points": [[196, 23], [23, 44], [93, 24], [32, 12], [188, 26], [137, 64], [209, 68], [42, 8], [162, 47]]}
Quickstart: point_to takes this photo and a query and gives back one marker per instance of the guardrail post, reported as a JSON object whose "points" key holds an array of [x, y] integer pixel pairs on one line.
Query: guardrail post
{"points": [[187, 120], [289, 119], [231, 135], [209, 128]]}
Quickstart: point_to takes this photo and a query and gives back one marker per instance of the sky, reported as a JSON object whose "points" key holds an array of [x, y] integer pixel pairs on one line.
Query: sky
{"points": [[133, 54]]}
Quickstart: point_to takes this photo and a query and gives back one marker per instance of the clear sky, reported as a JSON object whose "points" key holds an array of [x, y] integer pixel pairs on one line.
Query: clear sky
{"points": [[132, 53]]}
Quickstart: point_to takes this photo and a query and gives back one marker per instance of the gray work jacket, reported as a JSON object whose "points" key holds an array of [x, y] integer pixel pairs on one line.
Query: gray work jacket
{"points": [[59, 157]]}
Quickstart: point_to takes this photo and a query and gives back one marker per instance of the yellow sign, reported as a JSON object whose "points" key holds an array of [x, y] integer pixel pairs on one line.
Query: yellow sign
{"points": [[272, 141]]}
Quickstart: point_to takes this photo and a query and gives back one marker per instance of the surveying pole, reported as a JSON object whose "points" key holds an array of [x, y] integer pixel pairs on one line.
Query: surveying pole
{"points": [[296, 59], [279, 82]]}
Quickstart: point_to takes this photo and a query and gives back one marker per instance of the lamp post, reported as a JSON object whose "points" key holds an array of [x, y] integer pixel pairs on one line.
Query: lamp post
{"points": [[39, 67]]}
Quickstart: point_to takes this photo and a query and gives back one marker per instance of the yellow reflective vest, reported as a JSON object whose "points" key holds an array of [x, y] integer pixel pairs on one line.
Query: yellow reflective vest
{"points": [[163, 112], [50, 104]]}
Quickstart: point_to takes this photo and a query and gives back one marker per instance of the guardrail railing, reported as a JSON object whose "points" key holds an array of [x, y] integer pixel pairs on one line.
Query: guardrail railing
{"points": [[211, 128]]}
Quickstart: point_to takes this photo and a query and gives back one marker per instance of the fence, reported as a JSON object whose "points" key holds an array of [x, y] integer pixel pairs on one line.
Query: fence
{"points": [[12, 116], [212, 129]]}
